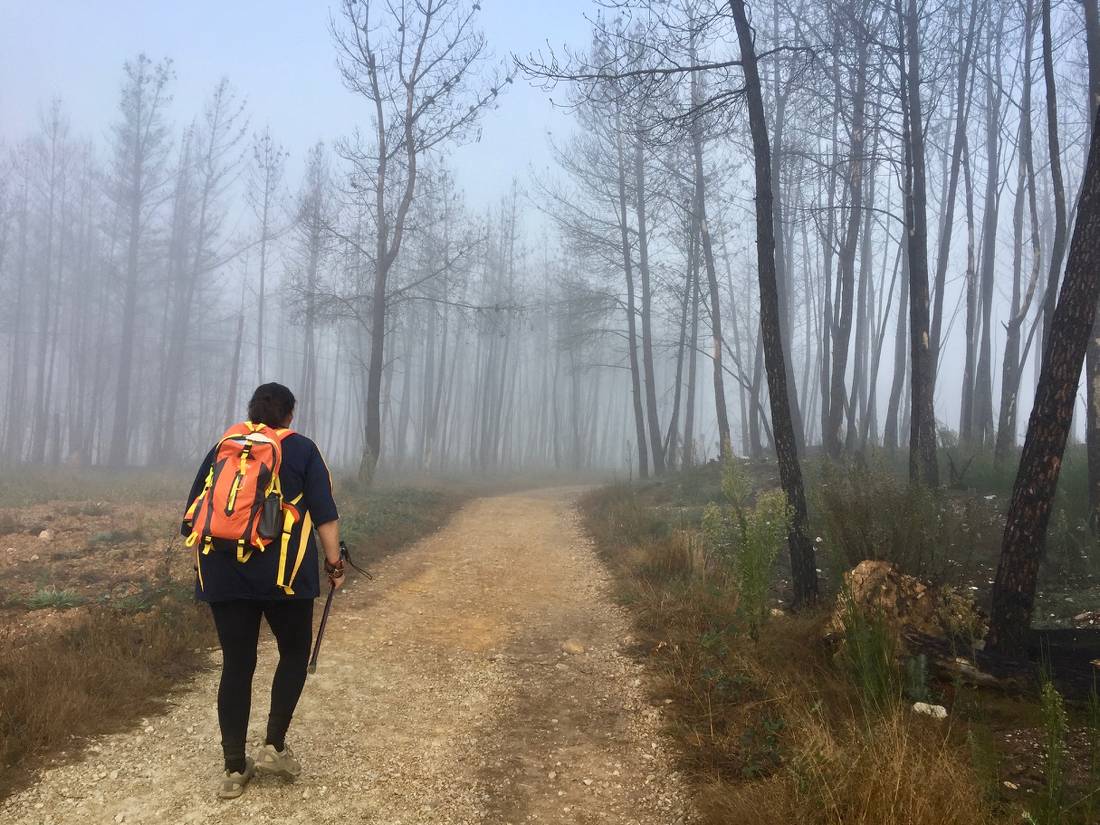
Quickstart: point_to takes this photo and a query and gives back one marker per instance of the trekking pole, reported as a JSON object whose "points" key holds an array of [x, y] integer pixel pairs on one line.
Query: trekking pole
{"points": [[328, 607]]}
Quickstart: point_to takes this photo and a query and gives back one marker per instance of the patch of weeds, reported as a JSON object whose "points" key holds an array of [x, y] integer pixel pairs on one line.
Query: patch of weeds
{"points": [[748, 538], [1071, 549], [69, 554], [50, 597], [383, 519], [36, 485], [87, 508], [917, 687], [761, 747], [1092, 725], [867, 512], [869, 656], [136, 602], [117, 536], [985, 758], [1055, 725], [9, 524]]}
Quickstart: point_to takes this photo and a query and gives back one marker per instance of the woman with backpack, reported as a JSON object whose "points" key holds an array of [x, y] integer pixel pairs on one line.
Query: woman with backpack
{"points": [[260, 502]]}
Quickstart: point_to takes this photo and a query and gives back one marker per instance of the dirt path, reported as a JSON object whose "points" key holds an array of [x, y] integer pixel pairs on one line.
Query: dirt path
{"points": [[445, 694]]}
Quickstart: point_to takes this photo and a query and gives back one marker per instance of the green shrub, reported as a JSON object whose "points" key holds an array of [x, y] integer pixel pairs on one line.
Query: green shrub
{"points": [[1092, 724], [1071, 548], [868, 512], [747, 539], [869, 657], [1055, 725], [917, 678]]}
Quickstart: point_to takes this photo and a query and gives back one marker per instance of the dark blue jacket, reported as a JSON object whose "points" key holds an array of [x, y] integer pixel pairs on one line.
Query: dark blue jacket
{"points": [[220, 577]]}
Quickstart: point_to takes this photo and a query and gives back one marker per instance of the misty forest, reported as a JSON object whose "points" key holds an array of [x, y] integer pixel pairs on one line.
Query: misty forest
{"points": [[784, 335]]}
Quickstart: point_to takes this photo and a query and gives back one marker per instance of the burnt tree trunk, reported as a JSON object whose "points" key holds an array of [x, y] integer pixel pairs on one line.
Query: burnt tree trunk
{"points": [[923, 467], [803, 570], [1092, 39], [1048, 427]]}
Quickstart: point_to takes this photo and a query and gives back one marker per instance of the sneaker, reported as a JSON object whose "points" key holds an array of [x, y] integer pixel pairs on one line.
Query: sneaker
{"points": [[282, 763], [233, 783]]}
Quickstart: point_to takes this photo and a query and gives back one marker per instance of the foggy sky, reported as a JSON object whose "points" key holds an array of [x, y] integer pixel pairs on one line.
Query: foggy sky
{"points": [[278, 55]]}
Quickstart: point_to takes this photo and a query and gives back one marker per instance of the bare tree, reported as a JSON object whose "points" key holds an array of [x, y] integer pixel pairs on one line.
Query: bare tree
{"points": [[415, 62], [922, 438], [265, 180], [308, 257], [140, 146], [217, 136], [1021, 300]]}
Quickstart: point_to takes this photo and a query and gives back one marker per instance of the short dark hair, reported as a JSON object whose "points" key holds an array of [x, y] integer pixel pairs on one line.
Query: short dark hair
{"points": [[271, 404]]}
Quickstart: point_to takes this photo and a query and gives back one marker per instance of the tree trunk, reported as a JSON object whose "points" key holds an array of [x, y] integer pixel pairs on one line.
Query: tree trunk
{"points": [[631, 309], [803, 570], [120, 434], [693, 366], [1025, 186], [725, 445], [982, 425], [1048, 428], [962, 109], [655, 444], [671, 440], [1092, 384], [891, 438], [923, 467], [782, 266], [1058, 246], [846, 264]]}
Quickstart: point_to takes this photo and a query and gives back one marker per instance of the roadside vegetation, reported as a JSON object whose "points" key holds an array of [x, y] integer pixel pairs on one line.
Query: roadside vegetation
{"points": [[101, 607], [777, 723]]}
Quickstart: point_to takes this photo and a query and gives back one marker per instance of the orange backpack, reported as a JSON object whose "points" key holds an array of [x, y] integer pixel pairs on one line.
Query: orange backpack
{"points": [[242, 500]]}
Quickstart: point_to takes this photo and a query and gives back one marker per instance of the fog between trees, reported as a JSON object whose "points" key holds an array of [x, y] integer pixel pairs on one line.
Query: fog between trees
{"points": [[925, 163]]}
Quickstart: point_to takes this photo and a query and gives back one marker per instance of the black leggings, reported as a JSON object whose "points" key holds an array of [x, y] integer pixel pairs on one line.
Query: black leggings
{"points": [[238, 624]]}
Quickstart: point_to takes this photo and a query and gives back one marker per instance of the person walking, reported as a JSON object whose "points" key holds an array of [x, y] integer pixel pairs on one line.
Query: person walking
{"points": [[260, 503]]}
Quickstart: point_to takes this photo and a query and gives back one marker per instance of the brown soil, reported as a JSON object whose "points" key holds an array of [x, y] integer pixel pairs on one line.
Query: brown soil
{"points": [[92, 552], [445, 694]]}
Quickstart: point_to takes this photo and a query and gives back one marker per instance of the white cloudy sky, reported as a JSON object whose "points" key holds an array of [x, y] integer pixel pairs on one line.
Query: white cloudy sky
{"points": [[277, 53]]}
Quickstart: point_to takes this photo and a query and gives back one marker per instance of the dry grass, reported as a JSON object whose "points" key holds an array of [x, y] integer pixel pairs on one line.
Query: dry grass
{"points": [[773, 731], [93, 677], [895, 771]]}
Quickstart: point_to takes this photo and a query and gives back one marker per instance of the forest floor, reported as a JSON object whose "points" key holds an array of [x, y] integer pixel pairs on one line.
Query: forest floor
{"points": [[776, 725], [483, 676]]}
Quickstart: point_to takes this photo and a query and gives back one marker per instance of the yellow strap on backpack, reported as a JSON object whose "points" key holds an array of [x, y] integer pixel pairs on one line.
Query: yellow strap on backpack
{"points": [[289, 517], [242, 554], [198, 569], [303, 543], [193, 539]]}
